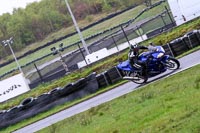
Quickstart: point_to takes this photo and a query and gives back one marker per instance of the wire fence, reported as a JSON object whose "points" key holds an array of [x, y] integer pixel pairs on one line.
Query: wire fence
{"points": [[124, 33], [91, 40]]}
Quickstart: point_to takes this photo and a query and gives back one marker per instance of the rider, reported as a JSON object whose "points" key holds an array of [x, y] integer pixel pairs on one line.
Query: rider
{"points": [[134, 54]]}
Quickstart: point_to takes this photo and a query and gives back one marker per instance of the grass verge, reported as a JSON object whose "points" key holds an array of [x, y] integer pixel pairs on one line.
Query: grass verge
{"points": [[169, 105]]}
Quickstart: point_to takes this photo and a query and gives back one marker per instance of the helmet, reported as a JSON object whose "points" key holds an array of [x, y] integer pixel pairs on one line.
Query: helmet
{"points": [[133, 46]]}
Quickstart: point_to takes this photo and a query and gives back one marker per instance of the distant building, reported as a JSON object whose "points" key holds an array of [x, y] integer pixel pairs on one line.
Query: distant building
{"points": [[184, 10]]}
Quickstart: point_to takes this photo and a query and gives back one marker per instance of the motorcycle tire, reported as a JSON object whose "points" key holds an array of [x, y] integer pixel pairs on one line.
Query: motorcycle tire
{"points": [[172, 63]]}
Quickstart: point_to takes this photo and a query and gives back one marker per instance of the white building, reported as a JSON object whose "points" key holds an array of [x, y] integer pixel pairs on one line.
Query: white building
{"points": [[184, 10]]}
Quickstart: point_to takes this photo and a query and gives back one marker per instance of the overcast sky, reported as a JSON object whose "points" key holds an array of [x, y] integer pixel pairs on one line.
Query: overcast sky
{"points": [[8, 5]]}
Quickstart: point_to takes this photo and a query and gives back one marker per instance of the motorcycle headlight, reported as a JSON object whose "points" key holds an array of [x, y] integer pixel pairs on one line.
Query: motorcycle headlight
{"points": [[160, 55]]}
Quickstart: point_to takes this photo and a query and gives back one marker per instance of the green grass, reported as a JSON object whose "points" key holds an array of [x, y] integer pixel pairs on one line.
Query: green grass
{"points": [[91, 31], [170, 105]]}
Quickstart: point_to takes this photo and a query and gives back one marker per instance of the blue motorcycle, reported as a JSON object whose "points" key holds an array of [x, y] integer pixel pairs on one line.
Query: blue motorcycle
{"points": [[157, 62]]}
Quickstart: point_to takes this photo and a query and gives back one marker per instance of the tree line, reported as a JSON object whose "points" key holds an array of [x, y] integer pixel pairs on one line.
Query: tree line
{"points": [[39, 19]]}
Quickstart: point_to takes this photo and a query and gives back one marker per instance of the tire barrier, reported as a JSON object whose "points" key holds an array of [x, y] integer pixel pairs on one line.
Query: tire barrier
{"points": [[192, 39], [168, 49], [27, 103], [92, 84], [66, 90], [43, 99], [32, 106], [2, 113], [79, 84], [10, 116], [114, 75], [43, 103], [54, 94], [102, 79], [178, 46], [12, 113]]}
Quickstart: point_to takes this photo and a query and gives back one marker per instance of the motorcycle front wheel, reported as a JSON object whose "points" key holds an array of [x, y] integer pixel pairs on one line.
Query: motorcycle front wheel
{"points": [[172, 63]]}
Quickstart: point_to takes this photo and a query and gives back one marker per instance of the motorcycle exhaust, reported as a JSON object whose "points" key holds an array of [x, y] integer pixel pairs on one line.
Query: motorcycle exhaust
{"points": [[128, 78]]}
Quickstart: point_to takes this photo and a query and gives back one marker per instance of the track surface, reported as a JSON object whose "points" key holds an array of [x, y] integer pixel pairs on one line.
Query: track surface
{"points": [[186, 62]]}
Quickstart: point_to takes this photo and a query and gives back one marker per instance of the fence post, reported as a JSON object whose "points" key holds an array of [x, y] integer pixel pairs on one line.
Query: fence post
{"points": [[115, 43], [125, 35], [190, 42], [105, 78], [38, 71], [170, 17], [82, 54], [140, 34], [118, 72], [163, 22], [170, 50]]}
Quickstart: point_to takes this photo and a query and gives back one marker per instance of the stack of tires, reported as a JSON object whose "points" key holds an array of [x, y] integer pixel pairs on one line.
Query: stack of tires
{"points": [[192, 39], [168, 49], [178, 46], [183, 44], [109, 77], [32, 106]]}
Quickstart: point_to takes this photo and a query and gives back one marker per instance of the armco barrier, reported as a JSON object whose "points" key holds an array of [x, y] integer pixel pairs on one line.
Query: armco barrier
{"points": [[178, 46]]}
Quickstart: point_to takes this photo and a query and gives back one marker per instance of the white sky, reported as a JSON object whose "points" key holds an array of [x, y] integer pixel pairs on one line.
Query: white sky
{"points": [[8, 5]]}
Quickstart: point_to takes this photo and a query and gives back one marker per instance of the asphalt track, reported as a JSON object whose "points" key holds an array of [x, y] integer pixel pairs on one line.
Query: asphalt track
{"points": [[186, 62]]}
